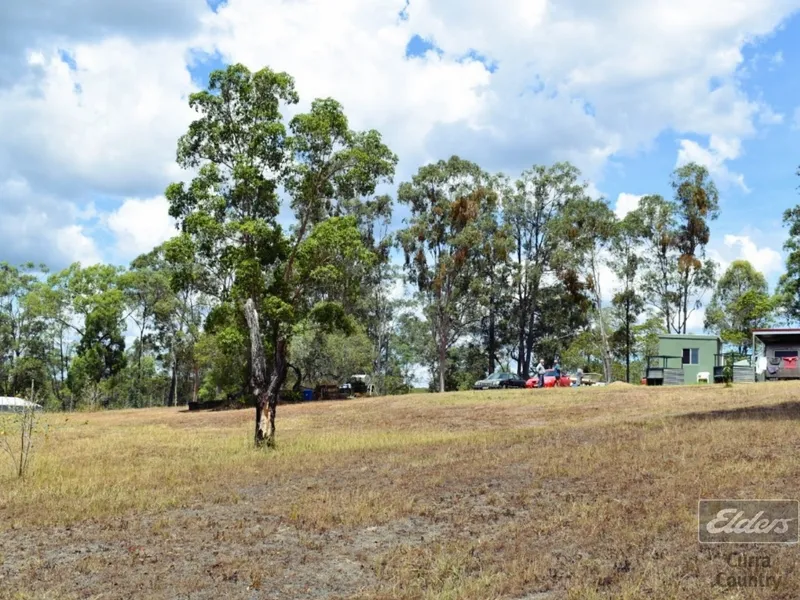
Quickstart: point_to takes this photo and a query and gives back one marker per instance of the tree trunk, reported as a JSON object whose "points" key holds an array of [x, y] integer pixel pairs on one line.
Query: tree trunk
{"points": [[173, 382], [628, 339], [298, 384], [531, 336], [601, 321], [265, 392], [195, 378], [492, 341], [522, 368], [442, 364], [139, 361]]}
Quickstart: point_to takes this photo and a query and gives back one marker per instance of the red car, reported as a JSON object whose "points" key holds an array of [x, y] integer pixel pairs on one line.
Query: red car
{"points": [[549, 380]]}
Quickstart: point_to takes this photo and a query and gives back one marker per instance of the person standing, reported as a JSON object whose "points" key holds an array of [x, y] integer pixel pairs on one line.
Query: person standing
{"points": [[578, 377], [557, 371], [540, 372]]}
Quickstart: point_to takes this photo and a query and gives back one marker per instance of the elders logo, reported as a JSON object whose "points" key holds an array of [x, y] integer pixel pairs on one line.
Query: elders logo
{"points": [[748, 521]]}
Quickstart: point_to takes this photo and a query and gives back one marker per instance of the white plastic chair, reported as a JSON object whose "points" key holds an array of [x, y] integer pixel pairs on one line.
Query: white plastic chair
{"points": [[703, 376]]}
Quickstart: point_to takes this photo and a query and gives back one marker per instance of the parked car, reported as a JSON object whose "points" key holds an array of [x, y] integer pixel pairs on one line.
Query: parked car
{"points": [[549, 380], [499, 380]]}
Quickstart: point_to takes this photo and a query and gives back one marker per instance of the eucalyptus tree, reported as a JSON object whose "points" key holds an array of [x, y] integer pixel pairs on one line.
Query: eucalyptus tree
{"points": [[589, 227], [441, 241], [533, 210], [626, 263], [697, 203], [248, 166]]}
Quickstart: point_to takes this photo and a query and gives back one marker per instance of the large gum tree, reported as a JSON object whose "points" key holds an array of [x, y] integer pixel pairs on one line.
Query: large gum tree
{"points": [[249, 165]]}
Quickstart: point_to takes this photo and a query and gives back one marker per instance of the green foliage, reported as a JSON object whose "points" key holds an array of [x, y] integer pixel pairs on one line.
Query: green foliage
{"points": [[324, 357], [502, 270], [788, 292], [447, 200], [246, 161], [628, 301], [534, 209], [676, 233], [741, 303], [222, 358]]}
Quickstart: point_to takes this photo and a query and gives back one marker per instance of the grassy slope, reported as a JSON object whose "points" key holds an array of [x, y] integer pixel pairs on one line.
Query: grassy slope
{"points": [[562, 493]]}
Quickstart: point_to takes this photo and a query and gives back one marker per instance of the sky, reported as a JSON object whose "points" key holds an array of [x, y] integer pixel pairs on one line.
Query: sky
{"points": [[93, 97]]}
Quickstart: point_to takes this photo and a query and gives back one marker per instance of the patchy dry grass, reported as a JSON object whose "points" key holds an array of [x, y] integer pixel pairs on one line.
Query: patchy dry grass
{"points": [[542, 494]]}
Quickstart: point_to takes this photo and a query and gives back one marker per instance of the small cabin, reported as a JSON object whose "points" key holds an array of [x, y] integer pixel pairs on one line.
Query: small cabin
{"points": [[776, 353], [684, 358]]}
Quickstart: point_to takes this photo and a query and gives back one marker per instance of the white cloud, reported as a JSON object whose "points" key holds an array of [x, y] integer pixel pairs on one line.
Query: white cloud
{"points": [[626, 203], [35, 227], [73, 243], [108, 126], [355, 52], [594, 100], [746, 246], [767, 116], [796, 118], [609, 282], [695, 322], [713, 158], [576, 80], [141, 225], [764, 259]]}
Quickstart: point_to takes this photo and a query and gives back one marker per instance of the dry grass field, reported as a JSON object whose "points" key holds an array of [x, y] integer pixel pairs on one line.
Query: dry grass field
{"points": [[530, 494]]}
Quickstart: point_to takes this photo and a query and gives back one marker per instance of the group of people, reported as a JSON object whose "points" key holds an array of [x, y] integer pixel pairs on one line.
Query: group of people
{"points": [[541, 370]]}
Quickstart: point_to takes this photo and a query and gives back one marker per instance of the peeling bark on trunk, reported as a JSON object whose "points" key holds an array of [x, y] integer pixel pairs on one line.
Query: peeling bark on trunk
{"points": [[264, 388]]}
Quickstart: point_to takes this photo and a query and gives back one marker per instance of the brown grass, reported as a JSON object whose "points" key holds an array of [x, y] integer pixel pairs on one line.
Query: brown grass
{"points": [[563, 493]]}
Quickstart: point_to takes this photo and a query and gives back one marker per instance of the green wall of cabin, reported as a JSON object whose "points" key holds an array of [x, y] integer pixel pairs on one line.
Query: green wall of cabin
{"points": [[707, 346]]}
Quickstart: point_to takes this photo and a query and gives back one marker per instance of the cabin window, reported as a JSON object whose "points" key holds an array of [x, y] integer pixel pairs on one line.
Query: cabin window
{"points": [[691, 356], [785, 353]]}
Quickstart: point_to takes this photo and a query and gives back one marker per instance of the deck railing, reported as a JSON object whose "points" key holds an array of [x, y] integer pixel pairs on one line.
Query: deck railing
{"points": [[664, 370]]}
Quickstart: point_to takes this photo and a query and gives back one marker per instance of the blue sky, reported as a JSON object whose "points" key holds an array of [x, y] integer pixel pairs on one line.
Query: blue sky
{"points": [[93, 97]]}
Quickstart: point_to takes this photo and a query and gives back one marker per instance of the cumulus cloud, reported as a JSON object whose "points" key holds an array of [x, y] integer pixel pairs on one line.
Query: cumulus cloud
{"points": [[41, 23], [71, 241], [746, 246], [141, 225], [97, 95], [107, 126], [714, 157], [626, 203], [355, 52], [43, 229], [764, 259], [574, 80]]}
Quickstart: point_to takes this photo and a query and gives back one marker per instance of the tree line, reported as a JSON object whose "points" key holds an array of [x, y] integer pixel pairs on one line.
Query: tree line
{"points": [[239, 305]]}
